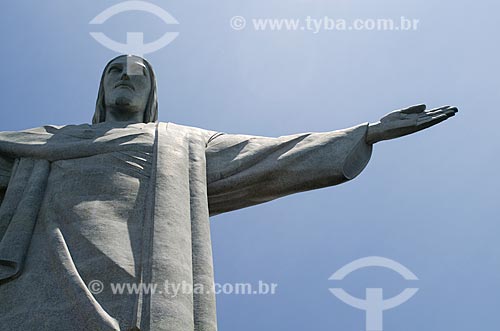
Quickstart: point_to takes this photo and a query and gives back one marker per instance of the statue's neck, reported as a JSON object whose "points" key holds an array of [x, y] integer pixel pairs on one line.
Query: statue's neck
{"points": [[124, 115]]}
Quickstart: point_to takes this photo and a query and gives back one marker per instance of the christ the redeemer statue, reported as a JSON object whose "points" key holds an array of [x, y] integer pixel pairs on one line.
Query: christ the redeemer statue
{"points": [[127, 200]]}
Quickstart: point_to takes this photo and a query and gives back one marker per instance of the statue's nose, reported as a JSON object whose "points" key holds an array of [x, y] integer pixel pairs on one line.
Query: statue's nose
{"points": [[125, 76]]}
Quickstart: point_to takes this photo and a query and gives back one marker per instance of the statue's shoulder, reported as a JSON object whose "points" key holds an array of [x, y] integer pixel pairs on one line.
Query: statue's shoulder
{"points": [[41, 133]]}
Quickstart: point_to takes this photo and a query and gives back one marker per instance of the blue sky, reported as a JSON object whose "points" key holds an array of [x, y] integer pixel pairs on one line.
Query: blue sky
{"points": [[428, 201]]}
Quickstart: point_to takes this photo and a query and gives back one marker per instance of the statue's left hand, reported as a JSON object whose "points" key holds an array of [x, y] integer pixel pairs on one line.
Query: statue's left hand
{"points": [[406, 121]]}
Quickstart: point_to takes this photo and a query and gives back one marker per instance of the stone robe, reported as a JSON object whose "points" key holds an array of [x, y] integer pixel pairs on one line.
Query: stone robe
{"points": [[131, 204]]}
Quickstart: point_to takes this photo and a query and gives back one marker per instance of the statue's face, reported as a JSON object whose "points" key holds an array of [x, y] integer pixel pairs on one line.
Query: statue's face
{"points": [[127, 85]]}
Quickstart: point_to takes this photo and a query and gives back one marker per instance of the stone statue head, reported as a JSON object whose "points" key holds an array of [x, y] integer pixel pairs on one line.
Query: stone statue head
{"points": [[127, 91]]}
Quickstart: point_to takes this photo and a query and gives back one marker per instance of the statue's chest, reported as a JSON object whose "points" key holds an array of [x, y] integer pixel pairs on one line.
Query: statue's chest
{"points": [[102, 199]]}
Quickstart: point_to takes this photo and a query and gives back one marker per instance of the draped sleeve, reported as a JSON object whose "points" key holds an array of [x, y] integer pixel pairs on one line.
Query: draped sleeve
{"points": [[247, 170], [6, 165]]}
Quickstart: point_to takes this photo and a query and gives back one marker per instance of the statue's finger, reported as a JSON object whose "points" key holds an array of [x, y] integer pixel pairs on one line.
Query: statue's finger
{"points": [[439, 117], [430, 121], [440, 108], [450, 111], [447, 112], [414, 109], [428, 116]]}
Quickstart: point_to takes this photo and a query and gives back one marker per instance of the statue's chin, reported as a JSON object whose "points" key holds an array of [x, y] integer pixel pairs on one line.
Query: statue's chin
{"points": [[123, 101]]}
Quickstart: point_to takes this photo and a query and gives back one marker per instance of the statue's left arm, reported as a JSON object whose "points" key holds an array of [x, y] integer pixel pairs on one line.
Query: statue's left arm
{"points": [[247, 170]]}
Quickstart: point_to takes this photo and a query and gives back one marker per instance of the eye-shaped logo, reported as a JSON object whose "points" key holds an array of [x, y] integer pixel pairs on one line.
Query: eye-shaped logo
{"points": [[135, 40], [374, 303]]}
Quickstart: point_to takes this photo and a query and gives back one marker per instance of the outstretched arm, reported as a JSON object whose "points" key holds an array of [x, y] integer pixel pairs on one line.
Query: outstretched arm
{"points": [[247, 170], [407, 121]]}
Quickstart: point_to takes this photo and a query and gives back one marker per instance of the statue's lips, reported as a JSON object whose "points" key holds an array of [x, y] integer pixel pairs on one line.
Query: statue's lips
{"points": [[121, 84]]}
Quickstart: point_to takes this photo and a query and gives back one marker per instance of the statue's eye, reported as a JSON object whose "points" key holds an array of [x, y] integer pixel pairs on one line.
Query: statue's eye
{"points": [[114, 69]]}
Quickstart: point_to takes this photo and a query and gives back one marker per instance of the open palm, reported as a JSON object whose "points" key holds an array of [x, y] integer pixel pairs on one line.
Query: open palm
{"points": [[406, 121]]}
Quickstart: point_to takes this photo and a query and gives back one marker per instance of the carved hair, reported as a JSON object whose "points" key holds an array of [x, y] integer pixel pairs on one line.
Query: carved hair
{"points": [[151, 111]]}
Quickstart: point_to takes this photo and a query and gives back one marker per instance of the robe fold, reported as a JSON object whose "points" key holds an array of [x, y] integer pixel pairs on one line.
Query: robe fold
{"points": [[130, 204]]}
